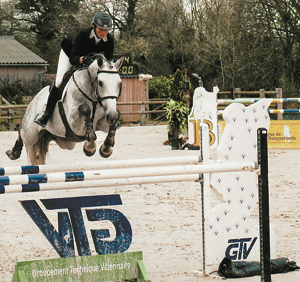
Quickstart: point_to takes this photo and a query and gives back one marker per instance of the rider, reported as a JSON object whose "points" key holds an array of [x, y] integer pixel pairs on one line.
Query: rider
{"points": [[95, 39]]}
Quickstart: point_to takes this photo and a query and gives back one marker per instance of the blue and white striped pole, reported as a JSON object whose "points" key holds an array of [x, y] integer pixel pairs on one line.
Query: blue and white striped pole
{"points": [[35, 169], [39, 187], [279, 111], [34, 182], [284, 111], [254, 100]]}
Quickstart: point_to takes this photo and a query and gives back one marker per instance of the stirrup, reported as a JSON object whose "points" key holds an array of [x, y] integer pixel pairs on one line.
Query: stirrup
{"points": [[42, 121]]}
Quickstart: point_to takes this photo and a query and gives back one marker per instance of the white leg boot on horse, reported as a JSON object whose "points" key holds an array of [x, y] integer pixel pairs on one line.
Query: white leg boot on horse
{"points": [[106, 148], [89, 147]]}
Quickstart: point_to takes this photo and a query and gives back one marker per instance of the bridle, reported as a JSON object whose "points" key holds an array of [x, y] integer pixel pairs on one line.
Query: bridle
{"points": [[96, 89]]}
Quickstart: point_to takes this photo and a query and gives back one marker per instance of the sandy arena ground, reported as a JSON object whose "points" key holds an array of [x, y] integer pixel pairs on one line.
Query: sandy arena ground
{"points": [[165, 218]]}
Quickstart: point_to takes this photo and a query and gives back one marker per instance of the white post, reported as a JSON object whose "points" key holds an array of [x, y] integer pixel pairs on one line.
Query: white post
{"points": [[204, 110]]}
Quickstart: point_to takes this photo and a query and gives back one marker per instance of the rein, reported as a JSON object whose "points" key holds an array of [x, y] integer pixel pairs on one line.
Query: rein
{"points": [[69, 133], [86, 96]]}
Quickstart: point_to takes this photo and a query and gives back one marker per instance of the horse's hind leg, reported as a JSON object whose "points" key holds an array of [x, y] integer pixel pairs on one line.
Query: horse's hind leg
{"points": [[15, 152], [35, 157], [37, 152], [32, 154], [106, 148]]}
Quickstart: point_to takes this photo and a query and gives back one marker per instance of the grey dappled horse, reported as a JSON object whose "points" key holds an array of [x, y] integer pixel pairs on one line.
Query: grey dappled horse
{"points": [[88, 104]]}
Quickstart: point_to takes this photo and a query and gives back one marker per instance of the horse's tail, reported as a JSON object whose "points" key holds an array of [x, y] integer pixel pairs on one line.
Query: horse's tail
{"points": [[37, 153], [15, 152], [190, 147]]}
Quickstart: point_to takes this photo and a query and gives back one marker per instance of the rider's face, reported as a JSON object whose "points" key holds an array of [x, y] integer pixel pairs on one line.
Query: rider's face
{"points": [[101, 33]]}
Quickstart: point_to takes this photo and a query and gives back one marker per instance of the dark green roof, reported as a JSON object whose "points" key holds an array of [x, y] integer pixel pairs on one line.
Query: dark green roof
{"points": [[13, 52]]}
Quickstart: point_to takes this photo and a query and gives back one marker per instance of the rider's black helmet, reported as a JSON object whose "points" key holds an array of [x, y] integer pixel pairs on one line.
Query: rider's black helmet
{"points": [[103, 20]]}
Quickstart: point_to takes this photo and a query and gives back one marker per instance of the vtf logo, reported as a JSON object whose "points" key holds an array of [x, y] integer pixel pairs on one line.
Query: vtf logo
{"points": [[238, 248], [71, 224]]}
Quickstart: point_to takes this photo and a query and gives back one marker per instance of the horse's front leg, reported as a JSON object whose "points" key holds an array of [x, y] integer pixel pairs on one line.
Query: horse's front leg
{"points": [[89, 147], [106, 148]]}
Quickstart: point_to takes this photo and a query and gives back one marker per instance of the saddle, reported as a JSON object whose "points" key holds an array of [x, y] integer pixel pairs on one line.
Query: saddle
{"points": [[67, 77]]}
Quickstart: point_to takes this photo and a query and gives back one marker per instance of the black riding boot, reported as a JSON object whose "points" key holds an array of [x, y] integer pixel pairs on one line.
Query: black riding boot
{"points": [[54, 96]]}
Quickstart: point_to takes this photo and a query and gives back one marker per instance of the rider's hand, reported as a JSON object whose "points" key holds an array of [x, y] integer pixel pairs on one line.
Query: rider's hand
{"points": [[87, 60]]}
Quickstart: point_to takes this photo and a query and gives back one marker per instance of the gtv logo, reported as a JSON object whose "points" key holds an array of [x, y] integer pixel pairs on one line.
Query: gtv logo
{"points": [[71, 224], [238, 248]]}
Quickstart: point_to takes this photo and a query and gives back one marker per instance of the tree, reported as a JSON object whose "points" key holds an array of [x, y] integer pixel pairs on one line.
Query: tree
{"points": [[178, 87], [8, 18], [282, 21], [177, 110], [48, 22], [235, 48], [247, 44], [159, 87]]}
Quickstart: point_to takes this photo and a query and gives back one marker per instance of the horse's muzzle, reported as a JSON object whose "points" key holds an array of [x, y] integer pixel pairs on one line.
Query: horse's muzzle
{"points": [[112, 117]]}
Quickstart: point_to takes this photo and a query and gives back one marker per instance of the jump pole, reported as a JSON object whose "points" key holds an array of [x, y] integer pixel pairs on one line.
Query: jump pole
{"points": [[35, 169], [254, 100], [280, 111], [284, 111], [31, 183]]}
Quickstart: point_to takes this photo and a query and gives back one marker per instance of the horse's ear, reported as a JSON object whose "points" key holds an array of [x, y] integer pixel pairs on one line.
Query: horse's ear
{"points": [[119, 63], [100, 61]]}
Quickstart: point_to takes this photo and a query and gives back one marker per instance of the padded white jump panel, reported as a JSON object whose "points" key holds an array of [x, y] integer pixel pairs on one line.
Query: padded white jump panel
{"points": [[229, 228]]}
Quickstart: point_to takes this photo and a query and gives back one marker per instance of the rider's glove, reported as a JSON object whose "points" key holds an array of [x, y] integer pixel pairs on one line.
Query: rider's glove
{"points": [[87, 60]]}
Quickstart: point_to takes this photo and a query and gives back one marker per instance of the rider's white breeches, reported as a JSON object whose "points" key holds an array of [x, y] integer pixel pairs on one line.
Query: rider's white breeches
{"points": [[62, 67]]}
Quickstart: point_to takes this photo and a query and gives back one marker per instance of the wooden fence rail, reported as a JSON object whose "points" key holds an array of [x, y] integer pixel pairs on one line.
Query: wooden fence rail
{"points": [[14, 113]]}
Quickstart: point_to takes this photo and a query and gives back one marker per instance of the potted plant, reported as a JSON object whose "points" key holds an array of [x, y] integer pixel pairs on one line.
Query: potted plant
{"points": [[177, 113], [177, 110]]}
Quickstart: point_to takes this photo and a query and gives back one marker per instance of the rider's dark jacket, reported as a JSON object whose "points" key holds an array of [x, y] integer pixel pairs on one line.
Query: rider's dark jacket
{"points": [[84, 44]]}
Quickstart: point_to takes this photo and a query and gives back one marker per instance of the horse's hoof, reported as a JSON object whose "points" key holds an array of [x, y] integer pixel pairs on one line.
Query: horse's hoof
{"points": [[89, 153], [105, 153], [13, 155], [9, 154]]}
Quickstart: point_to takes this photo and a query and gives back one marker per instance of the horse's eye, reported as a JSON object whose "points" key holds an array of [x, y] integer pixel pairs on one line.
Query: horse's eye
{"points": [[100, 83]]}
